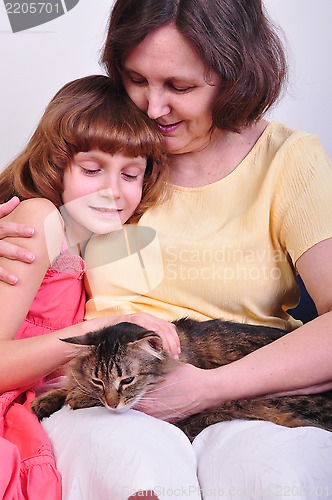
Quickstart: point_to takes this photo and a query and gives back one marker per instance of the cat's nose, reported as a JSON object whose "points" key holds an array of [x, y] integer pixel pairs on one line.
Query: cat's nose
{"points": [[112, 399]]}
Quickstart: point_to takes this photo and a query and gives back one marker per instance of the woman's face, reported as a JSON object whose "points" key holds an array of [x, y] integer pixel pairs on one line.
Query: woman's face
{"points": [[166, 79]]}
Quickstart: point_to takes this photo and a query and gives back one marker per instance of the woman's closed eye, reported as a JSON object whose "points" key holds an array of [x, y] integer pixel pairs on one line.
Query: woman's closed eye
{"points": [[134, 79], [177, 87], [137, 81], [180, 89]]}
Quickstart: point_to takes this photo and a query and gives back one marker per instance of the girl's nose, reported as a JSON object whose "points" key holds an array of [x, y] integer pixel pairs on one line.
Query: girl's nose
{"points": [[110, 192]]}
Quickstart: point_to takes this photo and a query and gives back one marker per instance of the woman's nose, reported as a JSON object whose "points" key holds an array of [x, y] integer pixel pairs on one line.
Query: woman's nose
{"points": [[157, 103]]}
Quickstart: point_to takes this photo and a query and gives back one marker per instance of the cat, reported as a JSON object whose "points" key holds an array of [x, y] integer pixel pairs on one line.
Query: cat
{"points": [[118, 364]]}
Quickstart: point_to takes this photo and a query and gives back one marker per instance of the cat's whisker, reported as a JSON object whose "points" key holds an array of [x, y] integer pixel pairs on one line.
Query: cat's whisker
{"points": [[164, 386], [179, 414], [80, 385]]}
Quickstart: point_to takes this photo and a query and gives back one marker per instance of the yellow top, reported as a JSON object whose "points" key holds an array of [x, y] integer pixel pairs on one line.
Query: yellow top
{"points": [[227, 249]]}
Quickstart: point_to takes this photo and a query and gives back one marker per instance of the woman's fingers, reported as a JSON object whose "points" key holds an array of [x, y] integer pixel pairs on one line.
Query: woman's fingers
{"points": [[8, 207], [13, 252], [8, 229], [9, 250], [164, 329]]}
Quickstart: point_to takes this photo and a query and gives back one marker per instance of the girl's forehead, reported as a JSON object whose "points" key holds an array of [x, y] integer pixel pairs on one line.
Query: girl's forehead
{"points": [[102, 156]]}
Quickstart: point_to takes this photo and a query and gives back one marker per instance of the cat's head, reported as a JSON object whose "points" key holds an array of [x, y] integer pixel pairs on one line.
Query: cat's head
{"points": [[118, 364]]}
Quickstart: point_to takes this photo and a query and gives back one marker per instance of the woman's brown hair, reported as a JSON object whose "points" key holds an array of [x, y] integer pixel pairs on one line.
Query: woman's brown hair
{"points": [[233, 37], [85, 114]]}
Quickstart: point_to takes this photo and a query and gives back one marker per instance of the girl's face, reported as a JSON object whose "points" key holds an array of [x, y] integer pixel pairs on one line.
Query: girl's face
{"points": [[101, 191], [166, 79]]}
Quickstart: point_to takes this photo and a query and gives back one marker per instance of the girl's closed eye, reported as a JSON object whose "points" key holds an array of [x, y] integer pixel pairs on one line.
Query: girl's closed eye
{"points": [[130, 177], [133, 172], [89, 171], [86, 166]]}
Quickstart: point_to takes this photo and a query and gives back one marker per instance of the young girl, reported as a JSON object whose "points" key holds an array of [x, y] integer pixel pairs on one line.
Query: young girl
{"points": [[94, 162]]}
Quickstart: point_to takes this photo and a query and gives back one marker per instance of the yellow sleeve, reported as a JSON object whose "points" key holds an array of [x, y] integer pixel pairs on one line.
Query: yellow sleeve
{"points": [[303, 201]]}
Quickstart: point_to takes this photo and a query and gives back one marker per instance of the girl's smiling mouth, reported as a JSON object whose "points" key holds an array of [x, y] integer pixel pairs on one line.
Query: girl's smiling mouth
{"points": [[106, 212]]}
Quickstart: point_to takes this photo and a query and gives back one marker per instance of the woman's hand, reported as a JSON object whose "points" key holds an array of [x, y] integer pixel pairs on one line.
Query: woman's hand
{"points": [[181, 394], [164, 329], [9, 250]]}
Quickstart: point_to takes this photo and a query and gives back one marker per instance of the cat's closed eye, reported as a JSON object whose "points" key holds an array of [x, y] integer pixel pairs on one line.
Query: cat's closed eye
{"points": [[127, 381], [97, 382]]}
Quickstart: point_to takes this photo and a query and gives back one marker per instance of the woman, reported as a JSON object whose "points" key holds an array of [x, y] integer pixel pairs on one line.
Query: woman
{"points": [[250, 208]]}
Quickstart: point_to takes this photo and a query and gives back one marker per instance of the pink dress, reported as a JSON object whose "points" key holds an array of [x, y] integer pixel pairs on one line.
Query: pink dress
{"points": [[27, 466]]}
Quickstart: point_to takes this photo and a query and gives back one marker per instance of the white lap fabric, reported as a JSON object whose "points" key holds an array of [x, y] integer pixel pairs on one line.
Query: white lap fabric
{"points": [[104, 456], [256, 460]]}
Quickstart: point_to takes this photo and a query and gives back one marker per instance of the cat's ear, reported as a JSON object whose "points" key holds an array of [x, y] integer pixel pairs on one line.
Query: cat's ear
{"points": [[88, 339], [151, 343]]}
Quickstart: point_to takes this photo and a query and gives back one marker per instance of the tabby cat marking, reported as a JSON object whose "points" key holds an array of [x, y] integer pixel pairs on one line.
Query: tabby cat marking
{"points": [[118, 364]]}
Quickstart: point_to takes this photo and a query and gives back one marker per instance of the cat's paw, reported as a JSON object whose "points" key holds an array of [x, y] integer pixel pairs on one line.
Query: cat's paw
{"points": [[77, 400], [46, 404]]}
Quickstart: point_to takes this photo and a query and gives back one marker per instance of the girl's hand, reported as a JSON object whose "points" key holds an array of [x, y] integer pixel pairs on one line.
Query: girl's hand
{"points": [[7, 249], [164, 329], [181, 394]]}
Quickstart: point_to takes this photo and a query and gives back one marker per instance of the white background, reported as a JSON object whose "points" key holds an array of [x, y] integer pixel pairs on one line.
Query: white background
{"points": [[37, 62]]}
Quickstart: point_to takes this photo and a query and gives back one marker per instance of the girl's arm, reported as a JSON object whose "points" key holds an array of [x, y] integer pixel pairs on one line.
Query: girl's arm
{"points": [[16, 301], [8, 249], [23, 362]]}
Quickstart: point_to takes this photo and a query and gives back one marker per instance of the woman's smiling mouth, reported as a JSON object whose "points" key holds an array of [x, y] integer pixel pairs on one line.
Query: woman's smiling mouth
{"points": [[166, 129]]}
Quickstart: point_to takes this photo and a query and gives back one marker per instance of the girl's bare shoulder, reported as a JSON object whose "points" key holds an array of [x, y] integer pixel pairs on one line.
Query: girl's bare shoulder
{"points": [[32, 210], [47, 222]]}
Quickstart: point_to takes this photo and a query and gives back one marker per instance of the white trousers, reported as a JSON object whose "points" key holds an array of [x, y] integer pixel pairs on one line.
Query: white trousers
{"points": [[104, 456]]}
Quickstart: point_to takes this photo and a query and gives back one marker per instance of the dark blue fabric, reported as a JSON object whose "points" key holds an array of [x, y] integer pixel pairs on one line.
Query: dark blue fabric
{"points": [[306, 309]]}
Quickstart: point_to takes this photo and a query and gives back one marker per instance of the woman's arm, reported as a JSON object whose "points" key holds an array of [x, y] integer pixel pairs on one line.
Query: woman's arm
{"points": [[300, 362], [9, 250]]}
